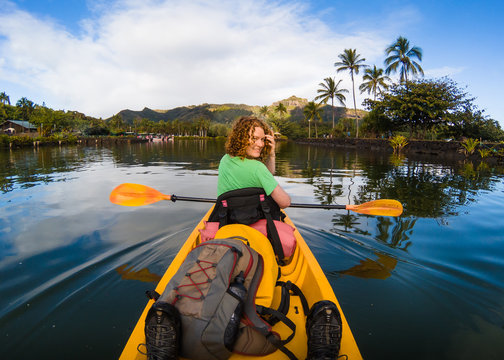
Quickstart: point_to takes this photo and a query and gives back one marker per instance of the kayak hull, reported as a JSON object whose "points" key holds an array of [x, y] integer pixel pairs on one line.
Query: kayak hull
{"points": [[303, 270]]}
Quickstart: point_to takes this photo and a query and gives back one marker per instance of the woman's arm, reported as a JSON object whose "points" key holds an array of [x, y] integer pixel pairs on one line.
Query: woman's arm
{"points": [[270, 163], [281, 197]]}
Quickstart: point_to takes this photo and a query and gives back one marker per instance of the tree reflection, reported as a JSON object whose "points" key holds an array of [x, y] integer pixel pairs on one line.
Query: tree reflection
{"points": [[428, 187], [346, 221], [395, 232], [29, 167], [427, 190], [431, 187]]}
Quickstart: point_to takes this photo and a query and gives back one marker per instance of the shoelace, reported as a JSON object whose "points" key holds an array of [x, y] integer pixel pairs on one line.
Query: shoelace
{"points": [[161, 341], [325, 339]]}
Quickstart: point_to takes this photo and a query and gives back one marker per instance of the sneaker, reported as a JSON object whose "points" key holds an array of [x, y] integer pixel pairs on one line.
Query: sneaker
{"points": [[162, 332], [323, 327]]}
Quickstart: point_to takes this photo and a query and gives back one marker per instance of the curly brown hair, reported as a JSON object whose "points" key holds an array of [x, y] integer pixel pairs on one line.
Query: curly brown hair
{"points": [[239, 138]]}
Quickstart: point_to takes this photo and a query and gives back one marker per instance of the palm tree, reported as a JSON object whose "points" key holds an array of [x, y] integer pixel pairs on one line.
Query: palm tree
{"points": [[281, 109], [26, 107], [375, 81], [263, 111], [312, 111], [329, 90], [400, 55], [351, 61], [4, 98]]}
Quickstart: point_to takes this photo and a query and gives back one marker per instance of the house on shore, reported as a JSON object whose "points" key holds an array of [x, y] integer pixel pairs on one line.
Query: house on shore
{"points": [[11, 127]]}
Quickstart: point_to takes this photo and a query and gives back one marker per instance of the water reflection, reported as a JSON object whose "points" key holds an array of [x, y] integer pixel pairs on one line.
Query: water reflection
{"points": [[28, 167], [67, 255], [433, 188], [381, 268], [127, 273], [395, 232]]}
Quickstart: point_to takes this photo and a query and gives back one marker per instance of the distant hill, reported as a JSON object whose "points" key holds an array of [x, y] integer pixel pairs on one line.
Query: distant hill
{"points": [[224, 113], [227, 113]]}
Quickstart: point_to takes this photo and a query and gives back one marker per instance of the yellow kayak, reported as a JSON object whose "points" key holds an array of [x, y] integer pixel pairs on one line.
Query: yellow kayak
{"points": [[302, 270]]}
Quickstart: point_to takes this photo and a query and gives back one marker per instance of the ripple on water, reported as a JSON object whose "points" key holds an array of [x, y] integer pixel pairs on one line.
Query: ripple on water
{"points": [[53, 291]]}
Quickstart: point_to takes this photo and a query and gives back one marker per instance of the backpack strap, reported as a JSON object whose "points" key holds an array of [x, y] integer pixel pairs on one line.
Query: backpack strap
{"points": [[265, 311], [287, 287], [223, 213], [284, 306], [272, 230], [271, 337]]}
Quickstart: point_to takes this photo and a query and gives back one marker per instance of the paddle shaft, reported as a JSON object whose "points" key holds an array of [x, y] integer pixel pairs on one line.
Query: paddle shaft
{"points": [[139, 195], [305, 206]]}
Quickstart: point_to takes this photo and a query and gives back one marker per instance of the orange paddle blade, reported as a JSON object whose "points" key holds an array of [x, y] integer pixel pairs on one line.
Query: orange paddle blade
{"points": [[136, 195], [383, 207]]}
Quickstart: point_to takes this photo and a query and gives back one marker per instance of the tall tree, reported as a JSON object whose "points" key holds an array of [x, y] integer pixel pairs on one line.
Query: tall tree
{"points": [[374, 81], [312, 111], [4, 98], [281, 109], [352, 62], [400, 55], [116, 124], [329, 90], [263, 111], [25, 107], [202, 125]]}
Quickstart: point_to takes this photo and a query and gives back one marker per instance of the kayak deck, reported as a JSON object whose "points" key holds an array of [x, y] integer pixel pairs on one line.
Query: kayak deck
{"points": [[303, 270]]}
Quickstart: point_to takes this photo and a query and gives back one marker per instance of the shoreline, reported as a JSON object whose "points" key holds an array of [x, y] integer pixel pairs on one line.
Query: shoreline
{"points": [[443, 149], [432, 148]]}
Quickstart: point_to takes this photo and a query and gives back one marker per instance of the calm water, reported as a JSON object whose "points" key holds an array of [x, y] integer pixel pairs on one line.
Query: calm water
{"points": [[74, 267]]}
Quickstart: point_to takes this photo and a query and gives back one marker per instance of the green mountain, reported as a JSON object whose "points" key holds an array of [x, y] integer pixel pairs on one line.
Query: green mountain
{"points": [[227, 113], [224, 113]]}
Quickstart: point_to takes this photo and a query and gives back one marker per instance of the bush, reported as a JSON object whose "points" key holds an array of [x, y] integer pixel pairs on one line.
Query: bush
{"points": [[20, 141], [4, 141], [469, 146], [398, 142]]}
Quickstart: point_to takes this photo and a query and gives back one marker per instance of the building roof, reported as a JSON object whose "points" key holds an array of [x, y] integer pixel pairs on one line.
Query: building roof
{"points": [[25, 124]]}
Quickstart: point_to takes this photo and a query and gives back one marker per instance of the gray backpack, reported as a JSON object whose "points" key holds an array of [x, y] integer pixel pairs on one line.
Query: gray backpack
{"points": [[200, 291]]}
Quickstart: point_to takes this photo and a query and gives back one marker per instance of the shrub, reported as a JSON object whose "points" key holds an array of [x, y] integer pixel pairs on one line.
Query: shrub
{"points": [[469, 146], [485, 152], [398, 142]]}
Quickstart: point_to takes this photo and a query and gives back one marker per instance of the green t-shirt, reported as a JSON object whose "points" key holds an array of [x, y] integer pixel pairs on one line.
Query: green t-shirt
{"points": [[236, 173]]}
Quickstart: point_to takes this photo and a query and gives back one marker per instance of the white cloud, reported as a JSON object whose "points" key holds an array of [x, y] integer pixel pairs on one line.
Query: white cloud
{"points": [[163, 54]]}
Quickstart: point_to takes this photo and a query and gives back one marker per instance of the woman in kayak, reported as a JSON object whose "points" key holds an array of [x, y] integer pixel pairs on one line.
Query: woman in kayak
{"points": [[250, 160]]}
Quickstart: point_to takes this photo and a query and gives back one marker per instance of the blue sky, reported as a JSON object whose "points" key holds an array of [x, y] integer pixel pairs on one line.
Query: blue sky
{"points": [[100, 57]]}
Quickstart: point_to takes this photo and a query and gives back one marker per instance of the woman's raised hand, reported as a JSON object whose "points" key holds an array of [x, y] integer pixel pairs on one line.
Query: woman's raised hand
{"points": [[271, 142]]}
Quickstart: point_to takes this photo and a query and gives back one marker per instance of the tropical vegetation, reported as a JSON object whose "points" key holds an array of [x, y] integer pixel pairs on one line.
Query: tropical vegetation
{"points": [[398, 142], [329, 89], [374, 82], [401, 56], [312, 112], [430, 109], [352, 62]]}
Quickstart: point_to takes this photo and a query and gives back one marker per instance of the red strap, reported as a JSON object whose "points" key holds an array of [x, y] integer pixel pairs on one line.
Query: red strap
{"points": [[209, 265]]}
